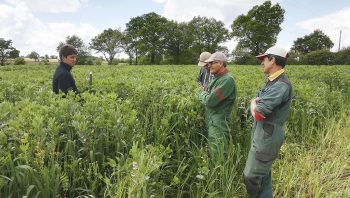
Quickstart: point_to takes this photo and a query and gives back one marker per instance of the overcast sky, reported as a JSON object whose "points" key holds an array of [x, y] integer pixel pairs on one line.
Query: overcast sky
{"points": [[39, 25]]}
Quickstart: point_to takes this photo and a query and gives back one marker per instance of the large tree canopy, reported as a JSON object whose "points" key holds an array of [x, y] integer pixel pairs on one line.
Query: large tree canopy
{"points": [[148, 32], [317, 40], [14, 53], [178, 41], [109, 43], [258, 30], [129, 43], [208, 34], [7, 51]]}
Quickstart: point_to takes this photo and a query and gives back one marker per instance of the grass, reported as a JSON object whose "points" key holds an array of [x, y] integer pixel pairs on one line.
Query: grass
{"points": [[322, 170], [139, 132]]}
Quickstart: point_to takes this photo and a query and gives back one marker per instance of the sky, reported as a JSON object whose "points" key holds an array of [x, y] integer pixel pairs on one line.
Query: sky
{"points": [[39, 25]]}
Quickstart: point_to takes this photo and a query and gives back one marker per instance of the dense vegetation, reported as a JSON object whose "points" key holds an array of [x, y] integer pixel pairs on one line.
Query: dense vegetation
{"points": [[139, 132]]}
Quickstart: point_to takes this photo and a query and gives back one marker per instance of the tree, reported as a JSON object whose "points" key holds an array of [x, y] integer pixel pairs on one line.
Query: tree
{"points": [[317, 40], [53, 57], [109, 43], [342, 57], [243, 57], [258, 30], [34, 55], [178, 41], [129, 43], [319, 57], [147, 32], [208, 34], [14, 53], [7, 51], [78, 43]]}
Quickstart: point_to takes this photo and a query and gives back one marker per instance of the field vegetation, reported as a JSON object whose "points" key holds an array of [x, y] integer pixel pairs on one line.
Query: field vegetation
{"points": [[138, 131]]}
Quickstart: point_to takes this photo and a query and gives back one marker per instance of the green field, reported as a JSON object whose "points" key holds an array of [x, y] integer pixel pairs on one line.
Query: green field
{"points": [[138, 131]]}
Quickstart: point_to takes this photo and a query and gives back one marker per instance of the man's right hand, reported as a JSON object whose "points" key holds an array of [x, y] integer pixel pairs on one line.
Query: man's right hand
{"points": [[256, 115], [253, 107]]}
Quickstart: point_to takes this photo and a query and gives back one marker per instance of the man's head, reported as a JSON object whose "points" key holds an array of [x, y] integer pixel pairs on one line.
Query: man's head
{"points": [[273, 59], [216, 61], [68, 54], [204, 56]]}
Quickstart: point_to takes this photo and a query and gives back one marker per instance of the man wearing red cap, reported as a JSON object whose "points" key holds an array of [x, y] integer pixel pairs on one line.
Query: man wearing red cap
{"points": [[270, 110]]}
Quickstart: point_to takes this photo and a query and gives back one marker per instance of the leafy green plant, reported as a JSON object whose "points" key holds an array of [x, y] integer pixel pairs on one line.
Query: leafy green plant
{"points": [[141, 133]]}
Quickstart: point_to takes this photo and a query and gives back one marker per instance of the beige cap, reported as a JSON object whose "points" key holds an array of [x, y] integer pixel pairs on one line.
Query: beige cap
{"points": [[217, 56], [274, 51], [204, 56]]}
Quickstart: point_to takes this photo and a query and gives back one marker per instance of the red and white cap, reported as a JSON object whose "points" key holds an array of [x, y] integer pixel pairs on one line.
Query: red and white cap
{"points": [[274, 51]]}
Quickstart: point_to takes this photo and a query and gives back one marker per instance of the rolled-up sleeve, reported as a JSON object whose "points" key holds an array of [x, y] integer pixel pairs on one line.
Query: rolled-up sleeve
{"points": [[219, 93], [271, 98]]}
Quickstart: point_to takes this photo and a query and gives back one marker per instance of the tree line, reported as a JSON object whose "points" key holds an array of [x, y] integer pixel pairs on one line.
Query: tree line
{"points": [[153, 39]]}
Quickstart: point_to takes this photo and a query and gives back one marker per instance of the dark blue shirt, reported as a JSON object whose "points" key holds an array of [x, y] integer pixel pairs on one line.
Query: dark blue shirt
{"points": [[63, 79], [203, 76]]}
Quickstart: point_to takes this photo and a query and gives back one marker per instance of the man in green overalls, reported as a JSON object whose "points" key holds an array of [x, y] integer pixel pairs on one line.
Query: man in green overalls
{"points": [[218, 99], [270, 110]]}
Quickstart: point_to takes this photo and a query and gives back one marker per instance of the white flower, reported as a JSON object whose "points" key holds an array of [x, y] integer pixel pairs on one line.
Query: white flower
{"points": [[135, 165], [201, 177]]}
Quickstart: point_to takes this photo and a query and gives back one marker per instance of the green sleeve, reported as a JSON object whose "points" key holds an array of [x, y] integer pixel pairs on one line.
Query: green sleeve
{"points": [[272, 98], [219, 93]]}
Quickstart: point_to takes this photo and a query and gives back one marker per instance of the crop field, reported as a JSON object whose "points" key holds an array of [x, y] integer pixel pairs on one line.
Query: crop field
{"points": [[139, 131]]}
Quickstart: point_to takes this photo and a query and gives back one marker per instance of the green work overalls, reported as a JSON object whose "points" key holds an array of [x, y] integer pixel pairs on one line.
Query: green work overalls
{"points": [[218, 101], [273, 102]]}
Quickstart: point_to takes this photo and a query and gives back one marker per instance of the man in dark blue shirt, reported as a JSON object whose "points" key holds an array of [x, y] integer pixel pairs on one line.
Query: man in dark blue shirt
{"points": [[62, 78], [204, 73]]}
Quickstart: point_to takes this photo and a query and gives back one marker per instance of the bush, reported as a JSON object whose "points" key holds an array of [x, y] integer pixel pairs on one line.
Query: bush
{"points": [[295, 58], [82, 60], [114, 62], [89, 61], [342, 57], [19, 61], [319, 57], [165, 62], [244, 58], [98, 62], [45, 61], [247, 60]]}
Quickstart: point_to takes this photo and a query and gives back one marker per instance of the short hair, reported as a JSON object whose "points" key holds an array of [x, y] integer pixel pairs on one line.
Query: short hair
{"points": [[225, 64], [67, 50], [278, 59]]}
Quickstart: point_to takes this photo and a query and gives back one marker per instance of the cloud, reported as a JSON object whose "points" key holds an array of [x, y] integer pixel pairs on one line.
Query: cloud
{"points": [[28, 33], [160, 1], [223, 10], [331, 24], [52, 6]]}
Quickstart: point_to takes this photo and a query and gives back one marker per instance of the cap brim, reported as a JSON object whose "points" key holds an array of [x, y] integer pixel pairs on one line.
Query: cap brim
{"points": [[201, 64], [261, 57], [209, 60]]}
